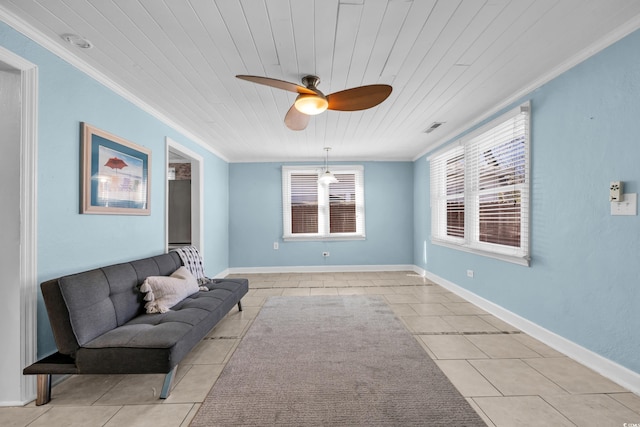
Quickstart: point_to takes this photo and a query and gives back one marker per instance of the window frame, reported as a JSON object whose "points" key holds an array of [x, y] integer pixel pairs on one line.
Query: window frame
{"points": [[471, 242], [324, 233]]}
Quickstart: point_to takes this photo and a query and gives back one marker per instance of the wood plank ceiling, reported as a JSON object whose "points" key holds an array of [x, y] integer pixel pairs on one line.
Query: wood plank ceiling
{"points": [[451, 61]]}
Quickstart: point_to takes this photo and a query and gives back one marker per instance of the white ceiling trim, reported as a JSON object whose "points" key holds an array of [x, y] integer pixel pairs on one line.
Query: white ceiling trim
{"points": [[37, 36], [614, 36]]}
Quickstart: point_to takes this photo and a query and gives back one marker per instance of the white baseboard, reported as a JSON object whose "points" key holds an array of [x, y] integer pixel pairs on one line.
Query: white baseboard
{"points": [[320, 269], [14, 403], [223, 273], [609, 369]]}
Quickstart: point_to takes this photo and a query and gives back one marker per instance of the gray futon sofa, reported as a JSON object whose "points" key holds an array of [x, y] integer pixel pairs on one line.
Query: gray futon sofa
{"points": [[101, 327]]}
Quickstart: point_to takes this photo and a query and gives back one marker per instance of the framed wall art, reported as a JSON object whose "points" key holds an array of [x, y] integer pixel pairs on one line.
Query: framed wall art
{"points": [[116, 174]]}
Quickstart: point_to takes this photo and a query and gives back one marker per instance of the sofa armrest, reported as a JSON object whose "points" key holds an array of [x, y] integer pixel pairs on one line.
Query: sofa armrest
{"points": [[59, 364]]}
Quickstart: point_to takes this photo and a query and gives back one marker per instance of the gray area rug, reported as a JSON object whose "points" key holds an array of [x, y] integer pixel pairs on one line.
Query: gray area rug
{"points": [[332, 361]]}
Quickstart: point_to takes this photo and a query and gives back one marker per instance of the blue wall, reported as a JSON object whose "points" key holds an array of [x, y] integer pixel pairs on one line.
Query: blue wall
{"points": [[256, 220], [584, 278], [69, 242]]}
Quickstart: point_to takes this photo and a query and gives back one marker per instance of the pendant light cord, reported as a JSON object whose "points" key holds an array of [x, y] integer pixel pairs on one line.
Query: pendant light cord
{"points": [[326, 161]]}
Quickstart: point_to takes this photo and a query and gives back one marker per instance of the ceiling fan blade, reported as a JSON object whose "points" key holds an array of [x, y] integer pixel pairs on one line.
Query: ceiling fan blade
{"points": [[358, 98], [280, 84], [295, 120]]}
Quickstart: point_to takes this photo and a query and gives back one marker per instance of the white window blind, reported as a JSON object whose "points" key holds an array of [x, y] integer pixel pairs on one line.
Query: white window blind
{"points": [[447, 196], [313, 211], [489, 212], [304, 203]]}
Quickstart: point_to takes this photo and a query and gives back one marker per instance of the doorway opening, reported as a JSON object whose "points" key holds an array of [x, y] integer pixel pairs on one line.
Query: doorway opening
{"points": [[184, 194]]}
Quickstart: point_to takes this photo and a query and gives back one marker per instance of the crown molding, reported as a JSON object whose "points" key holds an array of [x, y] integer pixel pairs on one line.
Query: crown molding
{"points": [[614, 36], [46, 42]]}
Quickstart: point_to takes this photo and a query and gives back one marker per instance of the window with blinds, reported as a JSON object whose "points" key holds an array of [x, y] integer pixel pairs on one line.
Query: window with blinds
{"points": [[314, 211], [480, 190]]}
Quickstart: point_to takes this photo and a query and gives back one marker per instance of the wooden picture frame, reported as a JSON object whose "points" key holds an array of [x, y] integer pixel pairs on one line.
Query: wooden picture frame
{"points": [[116, 174]]}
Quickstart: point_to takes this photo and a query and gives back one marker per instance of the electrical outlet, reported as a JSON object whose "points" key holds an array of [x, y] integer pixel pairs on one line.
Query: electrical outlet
{"points": [[469, 273], [325, 254], [276, 246]]}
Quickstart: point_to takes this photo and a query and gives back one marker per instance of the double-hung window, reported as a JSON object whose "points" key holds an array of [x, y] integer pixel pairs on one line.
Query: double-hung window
{"points": [[316, 211], [480, 190]]}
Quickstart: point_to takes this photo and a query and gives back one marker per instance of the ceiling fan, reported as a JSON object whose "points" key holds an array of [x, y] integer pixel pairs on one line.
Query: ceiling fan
{"points": [[311, 101]]}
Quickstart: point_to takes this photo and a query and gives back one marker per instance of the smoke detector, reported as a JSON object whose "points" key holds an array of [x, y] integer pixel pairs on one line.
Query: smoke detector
{"points": [[77, 41]]}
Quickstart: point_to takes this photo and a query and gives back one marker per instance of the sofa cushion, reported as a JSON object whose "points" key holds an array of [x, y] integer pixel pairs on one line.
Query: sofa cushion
{"points": [[160, 265], [126, 300], [91, 311]]}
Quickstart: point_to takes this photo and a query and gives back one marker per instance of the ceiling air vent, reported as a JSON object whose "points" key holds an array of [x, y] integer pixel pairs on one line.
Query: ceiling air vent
{"points": [[434, 126]]}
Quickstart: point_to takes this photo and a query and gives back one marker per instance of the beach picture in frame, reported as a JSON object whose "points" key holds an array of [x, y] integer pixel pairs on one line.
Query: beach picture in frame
{"points": [[116, 176]]}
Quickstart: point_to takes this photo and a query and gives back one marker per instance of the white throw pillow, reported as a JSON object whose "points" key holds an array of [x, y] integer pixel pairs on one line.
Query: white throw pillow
{"points": [[163, 292]]}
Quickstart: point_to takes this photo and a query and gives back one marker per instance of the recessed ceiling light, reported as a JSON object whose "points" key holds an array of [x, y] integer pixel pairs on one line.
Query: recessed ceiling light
{"points": [[77, 41]]}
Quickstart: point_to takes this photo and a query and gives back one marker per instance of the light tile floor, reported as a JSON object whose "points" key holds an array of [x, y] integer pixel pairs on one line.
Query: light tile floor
{"points": [[508, 377]]}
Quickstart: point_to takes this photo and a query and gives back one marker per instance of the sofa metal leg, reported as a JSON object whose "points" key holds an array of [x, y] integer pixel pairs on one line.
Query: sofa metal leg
{"points": [[239, 306], [43, 389], [168, 381]]}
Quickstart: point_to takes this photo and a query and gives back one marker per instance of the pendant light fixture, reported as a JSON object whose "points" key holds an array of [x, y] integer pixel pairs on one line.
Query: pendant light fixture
{"points": [[327, 177]]}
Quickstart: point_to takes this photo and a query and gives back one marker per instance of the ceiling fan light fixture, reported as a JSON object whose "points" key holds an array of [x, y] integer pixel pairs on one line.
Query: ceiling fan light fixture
{"points": [[310, 101], [311, 104]]}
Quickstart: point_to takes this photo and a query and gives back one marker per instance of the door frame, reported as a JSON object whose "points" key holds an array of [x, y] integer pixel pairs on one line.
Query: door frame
{"points": [[197, 194], [28, 272]]}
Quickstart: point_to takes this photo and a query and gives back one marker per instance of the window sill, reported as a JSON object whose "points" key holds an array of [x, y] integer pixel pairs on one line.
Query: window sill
{"points": [[495, 255], [308, 238]]}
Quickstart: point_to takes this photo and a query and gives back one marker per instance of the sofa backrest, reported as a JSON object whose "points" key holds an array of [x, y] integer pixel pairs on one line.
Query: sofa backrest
{"points": [[85, 305]]}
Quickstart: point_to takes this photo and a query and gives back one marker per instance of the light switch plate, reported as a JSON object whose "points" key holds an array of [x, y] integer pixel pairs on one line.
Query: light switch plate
{"points": [[628, 205]]}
